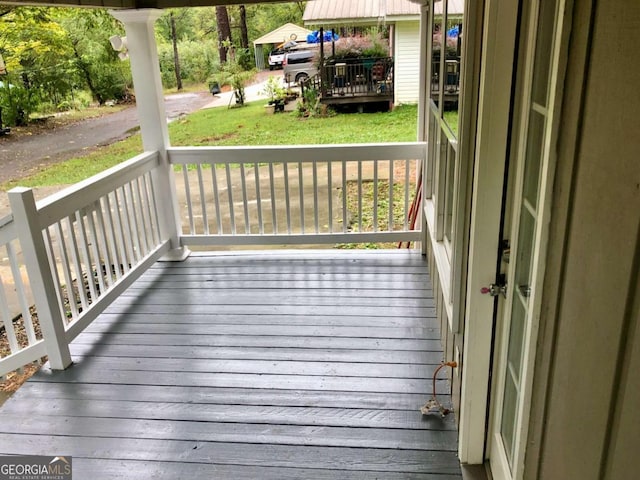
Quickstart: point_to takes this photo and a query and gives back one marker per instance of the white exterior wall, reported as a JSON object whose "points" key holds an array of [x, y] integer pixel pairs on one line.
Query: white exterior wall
{"points": [[407, 61]]}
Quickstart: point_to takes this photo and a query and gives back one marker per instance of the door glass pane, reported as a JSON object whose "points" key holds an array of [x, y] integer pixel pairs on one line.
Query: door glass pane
{"points": [[535, 142], [435, 52], [508, 424], [431, 154], [516, 337], [451, 77], [448, 211], [525, 253], [544, 42]]}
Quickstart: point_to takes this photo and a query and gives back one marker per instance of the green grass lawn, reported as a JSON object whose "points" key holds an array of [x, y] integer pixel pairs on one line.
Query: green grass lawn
{"points": [[249, 125], [452, 120]]}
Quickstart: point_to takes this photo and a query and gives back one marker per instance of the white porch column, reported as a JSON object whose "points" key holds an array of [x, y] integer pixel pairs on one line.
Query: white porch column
{"points": [[424, 93], [145, 69]]}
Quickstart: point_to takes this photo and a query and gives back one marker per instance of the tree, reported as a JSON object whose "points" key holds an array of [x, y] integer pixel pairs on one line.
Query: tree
{"points": [[224, 32], [88, 30], [244, 32], [38, 59], [264, 18], [176, 58]]}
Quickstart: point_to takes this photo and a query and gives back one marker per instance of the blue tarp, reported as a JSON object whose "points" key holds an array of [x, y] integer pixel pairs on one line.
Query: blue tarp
{"points": [[314, 37]]}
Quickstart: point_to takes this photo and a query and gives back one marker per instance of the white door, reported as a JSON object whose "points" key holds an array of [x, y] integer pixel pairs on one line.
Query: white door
{"points": [[527, 204]]}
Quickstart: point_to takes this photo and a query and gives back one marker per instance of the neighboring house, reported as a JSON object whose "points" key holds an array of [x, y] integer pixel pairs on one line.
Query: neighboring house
{"points": [[531, 225], [402, 16], [281, 35]]}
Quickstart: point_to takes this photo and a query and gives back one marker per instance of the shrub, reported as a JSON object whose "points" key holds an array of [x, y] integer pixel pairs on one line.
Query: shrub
{"points": [[17, 102], [274, 89], [244, 57], [360, 46]]}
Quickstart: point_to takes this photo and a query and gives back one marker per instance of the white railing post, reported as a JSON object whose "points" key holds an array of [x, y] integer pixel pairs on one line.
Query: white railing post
{"points": [[423, 111], [145, 69], [36, 259]]}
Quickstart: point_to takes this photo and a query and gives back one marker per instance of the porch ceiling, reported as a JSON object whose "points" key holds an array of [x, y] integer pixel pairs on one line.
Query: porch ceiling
{"points": [[133, 3]]}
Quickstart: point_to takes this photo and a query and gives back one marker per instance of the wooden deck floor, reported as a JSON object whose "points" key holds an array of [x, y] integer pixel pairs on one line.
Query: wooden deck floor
{"points": [[283, 365]]}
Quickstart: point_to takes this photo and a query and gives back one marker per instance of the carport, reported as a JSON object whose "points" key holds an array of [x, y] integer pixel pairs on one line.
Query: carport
{"points": [[288, 31]]}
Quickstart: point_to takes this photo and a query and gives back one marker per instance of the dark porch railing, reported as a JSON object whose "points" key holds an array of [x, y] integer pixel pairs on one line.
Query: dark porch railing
{"points": [[354, 81], [451, 80]]}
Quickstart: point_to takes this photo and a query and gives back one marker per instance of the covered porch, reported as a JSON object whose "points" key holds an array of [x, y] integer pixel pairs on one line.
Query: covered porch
{"points": [[260, 364]]}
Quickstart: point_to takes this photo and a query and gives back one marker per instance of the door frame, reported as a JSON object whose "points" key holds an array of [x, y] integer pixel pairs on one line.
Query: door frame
{"points": [[494, 114], [495, 86], [541, 234]]}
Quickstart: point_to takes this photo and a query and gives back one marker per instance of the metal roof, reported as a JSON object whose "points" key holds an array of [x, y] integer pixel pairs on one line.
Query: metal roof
{"points": [[341, 11], [284, 33]]}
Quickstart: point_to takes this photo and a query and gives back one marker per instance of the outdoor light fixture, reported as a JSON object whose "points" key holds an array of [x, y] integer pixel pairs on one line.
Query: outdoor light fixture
{"points": [[119, 44]]}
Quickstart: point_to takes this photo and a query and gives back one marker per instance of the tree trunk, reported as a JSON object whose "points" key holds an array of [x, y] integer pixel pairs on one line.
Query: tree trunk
{"points": [[176, 58], [84, 68], [244, 33], [224, 32]]}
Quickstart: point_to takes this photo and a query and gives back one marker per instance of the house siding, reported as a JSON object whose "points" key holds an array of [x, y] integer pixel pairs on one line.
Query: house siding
{"points": [[407, 62], [585, 412]]}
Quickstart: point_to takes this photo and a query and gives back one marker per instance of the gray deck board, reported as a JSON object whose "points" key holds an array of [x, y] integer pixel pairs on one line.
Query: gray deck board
{"points": [[130, 470], [273, 341], [251, 365], [208, 318], [257, 353]]}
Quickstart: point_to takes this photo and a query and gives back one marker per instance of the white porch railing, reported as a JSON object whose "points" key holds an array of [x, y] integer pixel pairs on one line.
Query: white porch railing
{"points": [[82, 247], [297, 195], [71, 255], [17, 314]]}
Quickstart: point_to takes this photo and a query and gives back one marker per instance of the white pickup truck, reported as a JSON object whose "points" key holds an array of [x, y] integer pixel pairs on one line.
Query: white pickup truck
{"points": [[276, 57]]}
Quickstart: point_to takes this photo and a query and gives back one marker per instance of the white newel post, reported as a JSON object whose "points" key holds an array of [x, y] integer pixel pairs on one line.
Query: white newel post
{"points": [[424, 96], [36, 259], [145, 69]]}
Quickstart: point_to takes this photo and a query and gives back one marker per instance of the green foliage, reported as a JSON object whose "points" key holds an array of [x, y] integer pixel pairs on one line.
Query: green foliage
{"points": [[232, 73], [244, 58], [16, 101], [198, 61], [98, 66], [264, 18], [274, 90], [52, 54], [310, 105], [186, 25], [361, 46], [55, 53], [38, 60], [30, 38]]}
